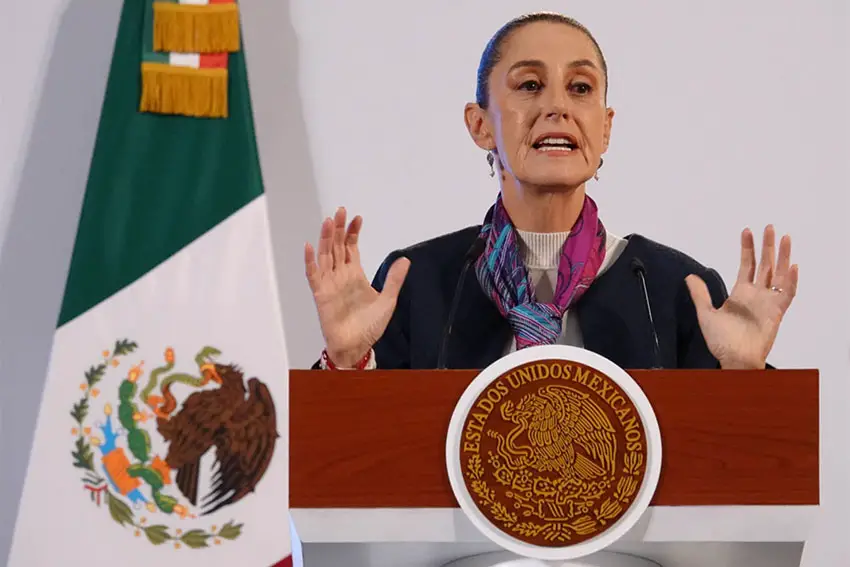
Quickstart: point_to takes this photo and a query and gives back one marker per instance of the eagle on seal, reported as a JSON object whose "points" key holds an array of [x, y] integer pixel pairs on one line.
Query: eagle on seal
{"points": [[239, 422], [567, 434]]}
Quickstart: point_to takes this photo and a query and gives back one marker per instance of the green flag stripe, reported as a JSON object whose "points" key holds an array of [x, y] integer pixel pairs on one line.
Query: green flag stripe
{"points": [[147, 32], [156, 182], [151, 57]]}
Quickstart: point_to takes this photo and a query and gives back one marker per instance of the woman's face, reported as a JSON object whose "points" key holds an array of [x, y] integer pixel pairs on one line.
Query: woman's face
{"points": [[546, 117]]}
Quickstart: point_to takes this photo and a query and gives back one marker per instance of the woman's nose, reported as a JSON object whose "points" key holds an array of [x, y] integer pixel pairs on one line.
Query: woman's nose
{"points": [[557, 105]]}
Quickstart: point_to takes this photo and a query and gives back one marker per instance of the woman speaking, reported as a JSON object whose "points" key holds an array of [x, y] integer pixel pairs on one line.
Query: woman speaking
{"points": [[542, 268]]}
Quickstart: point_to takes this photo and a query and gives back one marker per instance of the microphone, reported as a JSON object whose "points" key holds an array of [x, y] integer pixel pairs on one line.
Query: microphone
{"points": [[471, 256], [640, 272]]}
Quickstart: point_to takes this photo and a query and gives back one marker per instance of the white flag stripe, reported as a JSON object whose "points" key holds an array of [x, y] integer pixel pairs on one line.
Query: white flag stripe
{"points": [[192, 60], [218, 291]]}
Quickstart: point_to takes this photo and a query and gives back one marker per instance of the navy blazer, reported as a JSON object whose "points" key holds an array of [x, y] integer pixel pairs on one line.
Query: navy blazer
{"points": [[612, 313]]}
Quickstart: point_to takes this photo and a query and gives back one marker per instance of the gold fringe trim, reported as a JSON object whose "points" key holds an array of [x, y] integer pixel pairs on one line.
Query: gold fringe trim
{"points": [[192, 28], [168, 89]]}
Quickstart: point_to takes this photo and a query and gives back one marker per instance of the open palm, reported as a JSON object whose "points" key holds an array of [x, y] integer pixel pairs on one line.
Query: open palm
{"points": [[741, 333], [352, 314]]}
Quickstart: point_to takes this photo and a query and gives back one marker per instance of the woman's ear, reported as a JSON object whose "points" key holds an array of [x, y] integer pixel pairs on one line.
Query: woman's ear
{"points": [[479, 127], [609, 121]]}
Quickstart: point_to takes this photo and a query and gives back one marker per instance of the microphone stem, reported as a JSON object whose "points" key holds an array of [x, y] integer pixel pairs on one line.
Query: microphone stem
{"points": [[447, 332], [656, 346]]}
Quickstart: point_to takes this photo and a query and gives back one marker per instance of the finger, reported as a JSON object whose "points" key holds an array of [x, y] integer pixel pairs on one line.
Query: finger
{"points": [[747, 269], [326, 262], [352, 251], [310, 266], [791, 282], [783, 263], [395, 279], [339, 237], [764, 275], [700, 295], [788, 287]]}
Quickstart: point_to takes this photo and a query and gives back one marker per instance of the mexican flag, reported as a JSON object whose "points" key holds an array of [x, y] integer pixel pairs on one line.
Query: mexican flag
{"points": [[162, 432]]}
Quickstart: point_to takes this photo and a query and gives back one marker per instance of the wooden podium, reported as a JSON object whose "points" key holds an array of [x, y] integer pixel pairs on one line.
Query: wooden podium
{"points": [[739, 481]]}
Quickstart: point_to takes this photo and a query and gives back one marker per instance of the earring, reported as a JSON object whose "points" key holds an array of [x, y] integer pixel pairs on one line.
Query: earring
{"points": [[491, 160], [596, 175]]}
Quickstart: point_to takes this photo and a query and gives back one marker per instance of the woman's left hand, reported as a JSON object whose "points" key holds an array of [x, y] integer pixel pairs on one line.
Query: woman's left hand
{"points": [[741, 332]]}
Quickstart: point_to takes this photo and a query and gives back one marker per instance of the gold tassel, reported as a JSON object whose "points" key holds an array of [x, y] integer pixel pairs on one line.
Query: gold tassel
{"points": [[167, 89], [192, 28]]}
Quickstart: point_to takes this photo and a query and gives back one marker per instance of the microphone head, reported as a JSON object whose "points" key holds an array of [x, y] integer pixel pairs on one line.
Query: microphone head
{"points": [[637, 266]]}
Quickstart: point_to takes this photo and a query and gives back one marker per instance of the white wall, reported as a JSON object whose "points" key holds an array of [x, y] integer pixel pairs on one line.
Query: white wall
{"points": [[729, 114], [52, 80]]}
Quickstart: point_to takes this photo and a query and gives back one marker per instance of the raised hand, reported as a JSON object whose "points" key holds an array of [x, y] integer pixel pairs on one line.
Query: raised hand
{"points": [[352, 314], [742, 331]]}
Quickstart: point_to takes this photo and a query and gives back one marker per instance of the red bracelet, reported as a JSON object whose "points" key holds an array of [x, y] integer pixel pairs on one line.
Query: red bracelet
{"points": [[361, 364]]}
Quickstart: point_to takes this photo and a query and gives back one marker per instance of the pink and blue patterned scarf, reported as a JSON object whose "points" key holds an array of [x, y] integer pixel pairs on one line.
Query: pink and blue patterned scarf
{"points": [[505, 279]]}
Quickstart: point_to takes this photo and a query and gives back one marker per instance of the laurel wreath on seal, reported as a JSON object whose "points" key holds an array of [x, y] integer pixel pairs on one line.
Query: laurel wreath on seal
{"points": [[101, 490], [560, 532]]}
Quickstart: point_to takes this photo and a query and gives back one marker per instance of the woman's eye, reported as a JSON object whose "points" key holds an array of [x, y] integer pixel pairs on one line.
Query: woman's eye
{"points": [[581, 88], [530, 86]]}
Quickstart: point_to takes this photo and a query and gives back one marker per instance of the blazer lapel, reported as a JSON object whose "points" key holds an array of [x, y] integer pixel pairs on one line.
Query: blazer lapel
{"points": [[480, 335], [612, 323]]}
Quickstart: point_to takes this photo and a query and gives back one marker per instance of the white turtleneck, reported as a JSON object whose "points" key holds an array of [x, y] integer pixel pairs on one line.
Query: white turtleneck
{"points": [[541, 253]]}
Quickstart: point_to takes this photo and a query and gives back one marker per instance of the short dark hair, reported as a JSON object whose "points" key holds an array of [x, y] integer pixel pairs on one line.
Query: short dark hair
{"points": [[493, 52]]}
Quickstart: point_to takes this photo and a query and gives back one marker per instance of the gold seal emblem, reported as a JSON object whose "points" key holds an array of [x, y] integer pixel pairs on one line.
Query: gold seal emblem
{"points": [[553, 452]]}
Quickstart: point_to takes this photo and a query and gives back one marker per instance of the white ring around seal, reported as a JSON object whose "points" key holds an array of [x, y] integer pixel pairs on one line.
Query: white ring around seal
{"points": [[570, 354]]}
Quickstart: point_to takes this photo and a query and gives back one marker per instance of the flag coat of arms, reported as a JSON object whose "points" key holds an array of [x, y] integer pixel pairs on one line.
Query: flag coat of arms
{"points": [[162, 432]]}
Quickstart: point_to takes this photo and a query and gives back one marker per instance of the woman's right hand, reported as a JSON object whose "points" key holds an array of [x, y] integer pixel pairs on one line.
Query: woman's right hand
{"points": [[352, 314]]}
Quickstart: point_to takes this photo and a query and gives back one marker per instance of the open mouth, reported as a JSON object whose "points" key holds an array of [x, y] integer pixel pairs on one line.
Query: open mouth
{"points": [[555, 142]]}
